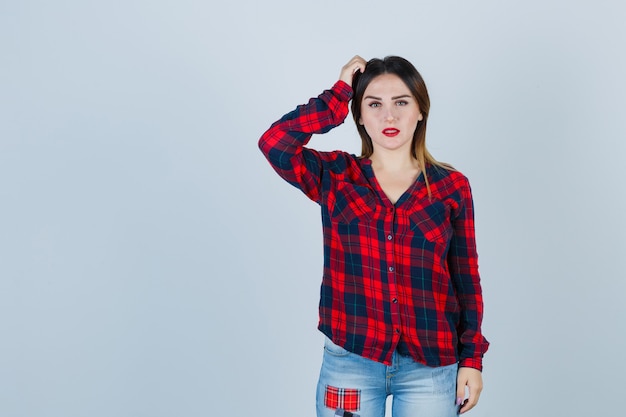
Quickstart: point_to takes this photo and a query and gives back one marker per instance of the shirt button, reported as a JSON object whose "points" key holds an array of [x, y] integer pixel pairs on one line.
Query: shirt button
{"points": [[395, 301], [389, 237], [398, 331], [391, 269]]}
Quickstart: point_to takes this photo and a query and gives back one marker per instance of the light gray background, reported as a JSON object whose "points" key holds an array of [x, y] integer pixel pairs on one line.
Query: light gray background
{"points": [[152, 263]]}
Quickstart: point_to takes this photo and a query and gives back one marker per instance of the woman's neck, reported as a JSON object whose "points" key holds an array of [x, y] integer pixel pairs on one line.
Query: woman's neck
{"points": [[393, 161]]}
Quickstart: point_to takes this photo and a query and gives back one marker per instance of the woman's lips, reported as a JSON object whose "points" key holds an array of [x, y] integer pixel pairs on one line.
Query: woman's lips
{"points": [[390, 132]]}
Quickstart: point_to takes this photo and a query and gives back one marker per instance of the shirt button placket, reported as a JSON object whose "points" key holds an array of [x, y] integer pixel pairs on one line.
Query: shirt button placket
{"points": [[392, 279]]}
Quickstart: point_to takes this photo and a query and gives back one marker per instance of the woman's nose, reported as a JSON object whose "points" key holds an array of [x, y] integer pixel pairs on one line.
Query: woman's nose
{"points": [[390, 116]]}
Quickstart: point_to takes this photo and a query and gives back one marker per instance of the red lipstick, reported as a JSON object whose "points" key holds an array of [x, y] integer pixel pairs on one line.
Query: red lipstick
{"points": [[390, 132]]}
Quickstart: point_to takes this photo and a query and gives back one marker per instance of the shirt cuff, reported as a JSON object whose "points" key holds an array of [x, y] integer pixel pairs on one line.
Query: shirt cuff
{"points": [[342, 90], [476, 363]]}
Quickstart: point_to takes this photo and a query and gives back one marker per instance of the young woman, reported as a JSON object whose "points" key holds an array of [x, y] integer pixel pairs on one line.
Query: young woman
{"points": [[401, 303]]}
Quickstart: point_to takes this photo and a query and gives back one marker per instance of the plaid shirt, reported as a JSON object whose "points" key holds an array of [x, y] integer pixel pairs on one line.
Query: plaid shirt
{"points": [[406, 271]]}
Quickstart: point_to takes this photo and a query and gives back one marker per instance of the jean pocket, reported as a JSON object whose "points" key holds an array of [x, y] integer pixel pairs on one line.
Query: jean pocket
{"points": [[334, 349], [444, 379]]}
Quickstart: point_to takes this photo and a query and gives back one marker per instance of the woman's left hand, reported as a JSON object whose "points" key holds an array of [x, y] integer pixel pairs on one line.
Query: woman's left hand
{"points": [[472, 379]]}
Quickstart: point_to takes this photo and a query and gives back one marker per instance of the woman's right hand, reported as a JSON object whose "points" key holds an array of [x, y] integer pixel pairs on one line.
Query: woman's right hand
{"points": [[347, 72]]}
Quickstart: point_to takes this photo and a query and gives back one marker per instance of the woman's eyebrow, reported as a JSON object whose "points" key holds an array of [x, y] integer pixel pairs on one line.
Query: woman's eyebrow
{"points": [[393, 98]]}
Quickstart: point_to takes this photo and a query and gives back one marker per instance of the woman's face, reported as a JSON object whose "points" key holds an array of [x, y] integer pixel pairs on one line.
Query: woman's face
{"points": [[389, 113]]}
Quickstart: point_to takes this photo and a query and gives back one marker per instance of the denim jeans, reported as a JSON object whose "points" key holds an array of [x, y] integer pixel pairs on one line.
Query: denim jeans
{"points": [[358, 385]]}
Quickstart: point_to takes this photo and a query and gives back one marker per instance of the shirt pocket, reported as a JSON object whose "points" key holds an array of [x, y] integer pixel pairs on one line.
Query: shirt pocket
{"points": [[433, 221], [353, 203]]}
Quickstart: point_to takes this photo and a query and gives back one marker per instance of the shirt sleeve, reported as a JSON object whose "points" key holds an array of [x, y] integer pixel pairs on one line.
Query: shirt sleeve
{"points": [[283, 144], [463, 264]]}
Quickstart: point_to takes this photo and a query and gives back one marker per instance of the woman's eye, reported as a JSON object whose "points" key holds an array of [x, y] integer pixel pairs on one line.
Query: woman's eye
{"points": [[374, 104], [402, 103]]}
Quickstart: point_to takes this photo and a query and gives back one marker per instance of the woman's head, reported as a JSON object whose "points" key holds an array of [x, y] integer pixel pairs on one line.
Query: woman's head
{"points": [[404, 70]]}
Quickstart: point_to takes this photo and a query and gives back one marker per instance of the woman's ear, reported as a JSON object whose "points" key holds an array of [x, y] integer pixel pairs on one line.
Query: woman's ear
{"points": [[420, 118], [361, 121]]}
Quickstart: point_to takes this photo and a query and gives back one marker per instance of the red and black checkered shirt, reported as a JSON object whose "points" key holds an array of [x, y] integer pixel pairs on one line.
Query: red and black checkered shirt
{"points": [[405, 271]]}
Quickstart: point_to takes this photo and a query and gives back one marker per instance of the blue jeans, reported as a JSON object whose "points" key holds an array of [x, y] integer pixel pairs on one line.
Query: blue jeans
{"points": [[358, 385]]}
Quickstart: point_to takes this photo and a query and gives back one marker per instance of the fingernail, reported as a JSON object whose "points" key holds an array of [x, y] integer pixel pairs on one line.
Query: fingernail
{"points": [[459, 400]]}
